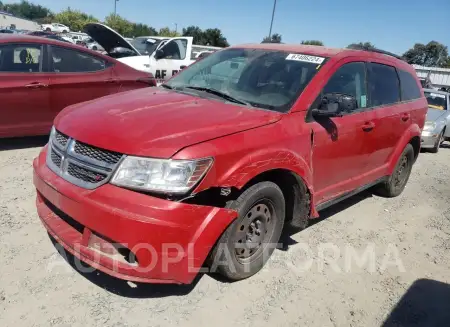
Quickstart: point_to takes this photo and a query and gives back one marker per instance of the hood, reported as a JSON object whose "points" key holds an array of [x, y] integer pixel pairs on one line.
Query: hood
{"points": [[155, 122], [108, 38], [435, 114]]}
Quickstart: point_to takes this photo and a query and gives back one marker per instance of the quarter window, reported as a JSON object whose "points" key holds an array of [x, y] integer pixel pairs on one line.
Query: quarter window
{"points": [[383, 84], [409, 88], [349, 79], [72, 61]]}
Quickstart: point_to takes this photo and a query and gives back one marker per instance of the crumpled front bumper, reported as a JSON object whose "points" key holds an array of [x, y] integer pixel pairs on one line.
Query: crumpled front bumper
{"points": [[428, 139], [168, 240]]}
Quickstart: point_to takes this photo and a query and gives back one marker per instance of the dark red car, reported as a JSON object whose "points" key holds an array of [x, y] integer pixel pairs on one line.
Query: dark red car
{"points": [[207, 169], [39, 77]]}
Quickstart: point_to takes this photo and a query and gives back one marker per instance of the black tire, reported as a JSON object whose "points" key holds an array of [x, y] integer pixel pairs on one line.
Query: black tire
{"points": [[438, 143], [263, 207], [94, 48], [396, 183], [64, 31], [48, 29]]}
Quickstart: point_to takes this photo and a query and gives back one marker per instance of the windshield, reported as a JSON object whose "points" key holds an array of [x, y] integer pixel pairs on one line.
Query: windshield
{"points": [[436, 100], [261, 78], [145, 45]]}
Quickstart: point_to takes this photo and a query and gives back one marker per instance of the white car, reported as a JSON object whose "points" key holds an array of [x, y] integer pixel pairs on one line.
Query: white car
{"points": [[55, 27]]}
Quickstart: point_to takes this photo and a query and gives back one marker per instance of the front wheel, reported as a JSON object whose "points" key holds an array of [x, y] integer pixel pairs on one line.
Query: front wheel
{"points": [[248, 242], [396, 183]]}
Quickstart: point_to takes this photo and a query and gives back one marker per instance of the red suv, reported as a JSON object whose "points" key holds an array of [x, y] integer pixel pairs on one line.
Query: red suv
{"points": [[152, 185]]}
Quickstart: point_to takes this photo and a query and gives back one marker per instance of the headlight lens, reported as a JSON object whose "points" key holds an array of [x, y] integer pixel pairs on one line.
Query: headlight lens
{"points": [[429, 126], [160, 175]]}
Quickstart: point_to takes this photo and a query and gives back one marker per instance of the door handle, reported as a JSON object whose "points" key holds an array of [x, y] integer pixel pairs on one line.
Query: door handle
{"points": [[406, 117], [36, 85], [368, 126]]}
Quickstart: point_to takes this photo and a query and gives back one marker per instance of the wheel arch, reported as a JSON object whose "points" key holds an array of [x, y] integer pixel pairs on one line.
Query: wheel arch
{"points": [[410, 136]]}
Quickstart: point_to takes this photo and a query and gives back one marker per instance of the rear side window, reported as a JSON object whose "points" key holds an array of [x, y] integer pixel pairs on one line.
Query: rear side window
{"points": [[20, 58], [72, 61], [410, 89], [384, 86]]}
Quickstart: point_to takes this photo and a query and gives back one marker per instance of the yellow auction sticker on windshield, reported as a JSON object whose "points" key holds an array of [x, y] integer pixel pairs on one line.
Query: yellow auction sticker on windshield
{"points": [[305, 58]]}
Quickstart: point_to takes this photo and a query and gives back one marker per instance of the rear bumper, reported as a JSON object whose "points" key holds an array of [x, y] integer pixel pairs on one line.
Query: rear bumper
{"points": [[170, 240]]}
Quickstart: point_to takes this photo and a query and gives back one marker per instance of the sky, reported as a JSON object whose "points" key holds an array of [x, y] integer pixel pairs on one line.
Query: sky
{"points": [[392, 25]]}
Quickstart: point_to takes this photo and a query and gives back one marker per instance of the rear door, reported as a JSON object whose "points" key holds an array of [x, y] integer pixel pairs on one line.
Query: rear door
{"points": [[339, 143], [78, 76], [391, 116], [24, 90]]}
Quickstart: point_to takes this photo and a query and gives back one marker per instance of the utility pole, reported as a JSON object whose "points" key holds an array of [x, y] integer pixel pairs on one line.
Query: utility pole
{"points": [[176, 27], [115, 7], [273, 14]]}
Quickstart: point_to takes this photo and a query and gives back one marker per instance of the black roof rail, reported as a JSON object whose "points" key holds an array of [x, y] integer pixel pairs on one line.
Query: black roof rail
{"points": [[357, 47]]}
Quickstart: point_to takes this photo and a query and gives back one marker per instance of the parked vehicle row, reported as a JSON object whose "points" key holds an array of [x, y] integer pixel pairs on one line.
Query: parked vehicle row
{"points": [[437, 126], [40, 76], [217, 160]]}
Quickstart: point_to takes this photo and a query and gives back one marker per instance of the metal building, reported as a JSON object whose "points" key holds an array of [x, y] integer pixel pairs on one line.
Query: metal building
{"points": [[9, 21], [440, 77]]}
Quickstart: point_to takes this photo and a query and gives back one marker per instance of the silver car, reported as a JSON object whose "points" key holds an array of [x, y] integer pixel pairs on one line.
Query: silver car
{"points": [[437, 125]]}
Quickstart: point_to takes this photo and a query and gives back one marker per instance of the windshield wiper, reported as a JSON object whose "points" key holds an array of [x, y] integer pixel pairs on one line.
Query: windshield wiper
{"points": [[219, 94], [166, 86]]}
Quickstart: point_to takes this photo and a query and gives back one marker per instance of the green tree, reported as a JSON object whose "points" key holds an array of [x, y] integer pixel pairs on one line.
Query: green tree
{"points": [[74, 19], [120, 25], [27, 10], [196, 32], [312, 42], [431, 54], [361, 46], [275, 38], [143, 30], [215, 38], [166, 31]]}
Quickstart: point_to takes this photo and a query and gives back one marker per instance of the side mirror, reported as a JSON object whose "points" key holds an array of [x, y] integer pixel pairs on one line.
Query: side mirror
{"points": [[334, 105], [159, 54]]}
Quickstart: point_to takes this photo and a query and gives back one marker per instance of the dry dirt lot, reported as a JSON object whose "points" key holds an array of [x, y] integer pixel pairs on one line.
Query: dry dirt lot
{"points": [[402, 282]]}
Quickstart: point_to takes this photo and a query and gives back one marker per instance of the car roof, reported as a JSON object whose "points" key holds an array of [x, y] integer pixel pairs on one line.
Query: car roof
{"points": [[435, 91], [18, 38], [322, 51]]}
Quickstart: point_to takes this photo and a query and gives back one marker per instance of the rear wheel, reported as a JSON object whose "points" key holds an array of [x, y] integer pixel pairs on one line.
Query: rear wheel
{"points": [[248, 242], [65, 31], [48, 29], [396, 183], [94, 48]]}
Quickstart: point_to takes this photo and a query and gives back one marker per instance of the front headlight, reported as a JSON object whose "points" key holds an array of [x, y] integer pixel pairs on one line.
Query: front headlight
{"points": [[160, 175], [429, 126]]}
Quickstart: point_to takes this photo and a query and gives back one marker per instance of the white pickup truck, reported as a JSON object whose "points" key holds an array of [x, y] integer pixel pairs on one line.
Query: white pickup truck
{"points": [[163, 57]]}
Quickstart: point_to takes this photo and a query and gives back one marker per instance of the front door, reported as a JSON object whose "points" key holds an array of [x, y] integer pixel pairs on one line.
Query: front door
{"points": [[176, 56], [77, 76], [339, 148], [24, 91]]}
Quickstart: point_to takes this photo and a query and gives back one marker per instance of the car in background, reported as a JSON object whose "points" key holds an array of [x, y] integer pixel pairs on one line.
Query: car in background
{"points": [[437, 125], [40, 76], [58, 38], [55, 27], [93, 45], [7, 31]]}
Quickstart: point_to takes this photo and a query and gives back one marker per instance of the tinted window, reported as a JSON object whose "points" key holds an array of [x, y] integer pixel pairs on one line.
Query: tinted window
{"points": [[20, 58], [349, 79], [262, 78], [72, 61], [436, 100], [383, 85], [409, 87]]}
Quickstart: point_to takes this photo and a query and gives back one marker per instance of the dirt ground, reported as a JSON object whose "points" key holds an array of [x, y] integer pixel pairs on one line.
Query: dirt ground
{"points": [[403, 282]]}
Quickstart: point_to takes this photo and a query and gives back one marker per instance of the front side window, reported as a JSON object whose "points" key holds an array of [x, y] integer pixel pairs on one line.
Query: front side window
{"points": [[383, 85], [72, 61], [175, 49], [260, 78], [350, 79], [20, 58], [436, 100]]}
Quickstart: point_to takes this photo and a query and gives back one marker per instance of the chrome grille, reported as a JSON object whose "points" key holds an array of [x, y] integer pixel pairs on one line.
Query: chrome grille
{"points": [[97, 154], [79, 163]]}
